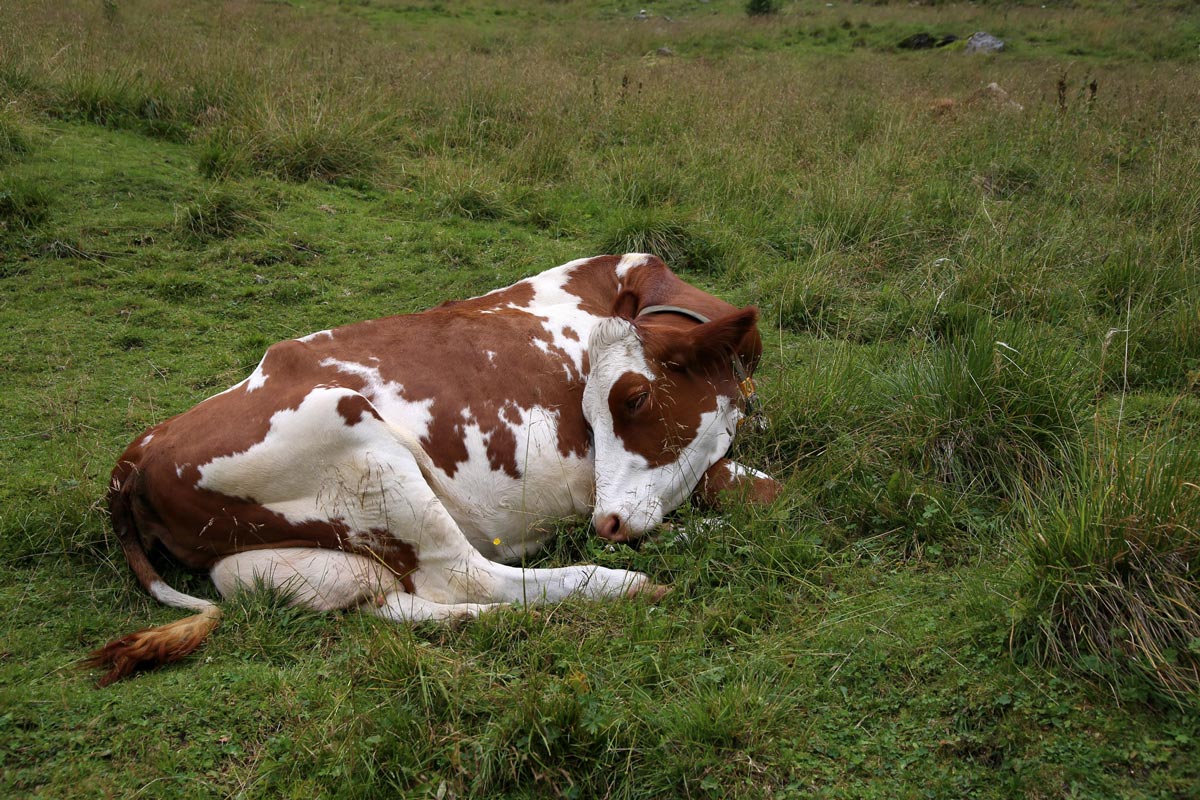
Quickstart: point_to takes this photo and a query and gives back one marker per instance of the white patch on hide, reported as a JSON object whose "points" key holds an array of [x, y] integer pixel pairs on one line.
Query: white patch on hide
{"points": [[630, 261], [255, 380], [387, 397]]}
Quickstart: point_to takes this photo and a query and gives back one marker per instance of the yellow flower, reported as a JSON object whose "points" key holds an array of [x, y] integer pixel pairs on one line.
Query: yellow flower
{"points": [[496, 541]]}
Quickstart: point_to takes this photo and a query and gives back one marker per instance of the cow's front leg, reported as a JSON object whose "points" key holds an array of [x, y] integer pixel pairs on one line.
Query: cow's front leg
{"points": [[451, 571], [727, 479], [586, 580], [404, 607], [473, 578]]}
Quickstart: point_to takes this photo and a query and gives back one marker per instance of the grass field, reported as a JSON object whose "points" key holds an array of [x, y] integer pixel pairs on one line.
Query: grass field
{"points": [[982, 318]]}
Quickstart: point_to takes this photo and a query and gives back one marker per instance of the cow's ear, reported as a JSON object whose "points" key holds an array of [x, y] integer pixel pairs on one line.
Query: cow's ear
{"points": [[626, 305], [718, 340], [711, 342]]}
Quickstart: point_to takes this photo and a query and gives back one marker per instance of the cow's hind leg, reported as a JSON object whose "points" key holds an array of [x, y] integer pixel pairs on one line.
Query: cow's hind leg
{"points": [[316, 578]]}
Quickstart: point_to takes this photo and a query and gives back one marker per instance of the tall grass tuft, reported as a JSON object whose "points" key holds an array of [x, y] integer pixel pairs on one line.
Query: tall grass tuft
{"points": [[990, 410], [761, 8], [101, 97], [473, 196], [16, 135], [296, 138], [818, 417], [1164, 347], [1112, 579], [848, 217], [806, 298], [217, 214], [15, 76], [679, 240], [122, 98], [23, 203]]}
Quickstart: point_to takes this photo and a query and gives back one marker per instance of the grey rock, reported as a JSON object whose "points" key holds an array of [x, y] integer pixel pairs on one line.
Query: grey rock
{"points": [[982, 42]]}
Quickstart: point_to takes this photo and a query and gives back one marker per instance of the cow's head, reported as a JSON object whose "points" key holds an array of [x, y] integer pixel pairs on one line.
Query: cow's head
{"points": [[663, 401]]}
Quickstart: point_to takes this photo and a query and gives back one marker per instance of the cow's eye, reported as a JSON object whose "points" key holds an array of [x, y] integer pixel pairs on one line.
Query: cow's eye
{"points": [[636, 402]]}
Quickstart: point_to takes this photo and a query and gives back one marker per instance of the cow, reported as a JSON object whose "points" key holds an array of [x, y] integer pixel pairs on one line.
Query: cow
{"points": [[404, 465]]}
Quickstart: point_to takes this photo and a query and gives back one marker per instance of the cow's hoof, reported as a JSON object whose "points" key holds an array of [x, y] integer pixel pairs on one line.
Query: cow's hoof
{"points": [[649, 591]]}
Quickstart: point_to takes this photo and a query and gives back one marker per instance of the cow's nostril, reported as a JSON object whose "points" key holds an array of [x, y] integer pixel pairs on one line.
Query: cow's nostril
{"points": [[610, 528]]}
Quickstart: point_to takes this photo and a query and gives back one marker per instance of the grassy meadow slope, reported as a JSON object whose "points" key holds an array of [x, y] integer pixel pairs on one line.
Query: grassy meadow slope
{"points": [[982, 316]]}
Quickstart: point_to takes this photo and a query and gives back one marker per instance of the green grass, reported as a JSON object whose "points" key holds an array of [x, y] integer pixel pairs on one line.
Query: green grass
{"points": [[981, 366]]}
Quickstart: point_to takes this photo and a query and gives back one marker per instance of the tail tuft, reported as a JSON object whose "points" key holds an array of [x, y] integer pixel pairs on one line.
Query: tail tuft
{"points": [[152, 647]]}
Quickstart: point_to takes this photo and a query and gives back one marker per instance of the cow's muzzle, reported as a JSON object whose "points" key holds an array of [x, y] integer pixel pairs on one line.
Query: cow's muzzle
{"points": [[613, 528]]}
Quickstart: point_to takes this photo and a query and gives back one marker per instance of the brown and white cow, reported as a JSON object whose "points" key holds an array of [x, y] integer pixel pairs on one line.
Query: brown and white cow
{"points": [[393, 464]]}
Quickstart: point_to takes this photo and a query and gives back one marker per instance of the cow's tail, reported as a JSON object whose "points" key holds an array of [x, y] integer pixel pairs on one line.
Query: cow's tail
{"points": [[149, 647]]}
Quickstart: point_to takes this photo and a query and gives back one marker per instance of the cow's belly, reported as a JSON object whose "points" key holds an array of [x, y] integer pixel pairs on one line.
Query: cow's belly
{"points": [[507, 517]]}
